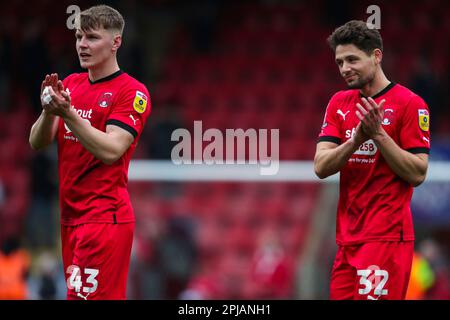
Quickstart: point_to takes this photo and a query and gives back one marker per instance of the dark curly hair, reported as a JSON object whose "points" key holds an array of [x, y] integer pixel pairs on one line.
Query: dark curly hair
{"points": [[357, 33]]}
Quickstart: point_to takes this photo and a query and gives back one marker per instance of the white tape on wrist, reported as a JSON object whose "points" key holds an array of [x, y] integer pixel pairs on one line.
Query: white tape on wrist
{"points": [[46, 98]]}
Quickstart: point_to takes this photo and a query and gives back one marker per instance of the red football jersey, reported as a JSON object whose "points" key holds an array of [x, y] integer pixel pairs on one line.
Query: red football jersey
{"points": [[91, 191], [374, 203]]}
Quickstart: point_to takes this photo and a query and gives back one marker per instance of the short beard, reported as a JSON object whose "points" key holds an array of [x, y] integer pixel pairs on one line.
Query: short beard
{"points": [[361, 82]]}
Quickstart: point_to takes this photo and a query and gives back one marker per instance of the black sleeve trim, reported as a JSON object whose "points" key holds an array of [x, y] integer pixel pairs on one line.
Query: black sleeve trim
{"points": [[329, 139], [123, 126], [419, 150]]}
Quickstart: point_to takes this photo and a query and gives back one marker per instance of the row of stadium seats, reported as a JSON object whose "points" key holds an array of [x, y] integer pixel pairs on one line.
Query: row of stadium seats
{"points": [[268, 67], [231, 223]]}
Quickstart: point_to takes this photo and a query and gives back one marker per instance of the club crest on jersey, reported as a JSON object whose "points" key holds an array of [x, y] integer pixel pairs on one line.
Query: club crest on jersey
{"points": [[140, 102], [388, 116], [105, 100], [424, 119]]}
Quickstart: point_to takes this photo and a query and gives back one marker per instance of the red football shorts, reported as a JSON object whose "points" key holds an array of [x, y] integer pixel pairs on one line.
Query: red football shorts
{"points": [[372, 271], [96, 258]]}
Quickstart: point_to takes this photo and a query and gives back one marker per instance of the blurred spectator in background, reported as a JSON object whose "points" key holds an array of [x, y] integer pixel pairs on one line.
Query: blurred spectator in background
{"points": [[430, 274], [430, 250], [425, 84], [422, 278], [41, 222], [2, 193], [163, 257], [14, 268], [46, 278], [205, 284], [145, 271], [177, 255], [271, 275], [33, 55], [166, 119]]}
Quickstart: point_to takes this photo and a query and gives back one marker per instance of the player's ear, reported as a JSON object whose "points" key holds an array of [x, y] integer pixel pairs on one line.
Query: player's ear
{"points": [[117, 42], [378, 55]]}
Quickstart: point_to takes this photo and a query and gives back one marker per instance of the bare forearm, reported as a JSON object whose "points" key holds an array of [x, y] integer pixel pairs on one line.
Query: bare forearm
{"points": [[406, 165], [43, 131], [329, 161], [97, 142]]}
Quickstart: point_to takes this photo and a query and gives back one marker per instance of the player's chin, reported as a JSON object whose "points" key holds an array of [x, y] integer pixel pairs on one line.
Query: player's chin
{"points": [[85, 64], [355, 84]]}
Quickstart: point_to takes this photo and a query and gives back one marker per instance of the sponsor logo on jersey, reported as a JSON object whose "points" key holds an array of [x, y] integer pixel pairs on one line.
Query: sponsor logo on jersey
{"points": [[140, 102], [367, 148], [134, 120], [84, 297], [424, 119], [85, 115], [342, 114], [105, 100]]}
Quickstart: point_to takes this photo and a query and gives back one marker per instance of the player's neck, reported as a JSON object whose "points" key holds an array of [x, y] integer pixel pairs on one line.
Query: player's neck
{"points": [[103, 70], [376, 85]]}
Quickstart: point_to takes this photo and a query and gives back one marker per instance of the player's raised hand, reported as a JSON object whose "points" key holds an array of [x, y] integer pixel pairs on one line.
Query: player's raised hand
{"points": [[50, 81], [44, 84], [60, 86], [64, 94], [59, 102], [371, 116]]}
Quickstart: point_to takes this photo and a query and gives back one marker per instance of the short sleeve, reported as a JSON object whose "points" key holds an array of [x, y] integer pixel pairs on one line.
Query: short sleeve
{"points": [[131, 110], [415, 129], [330, 127]]}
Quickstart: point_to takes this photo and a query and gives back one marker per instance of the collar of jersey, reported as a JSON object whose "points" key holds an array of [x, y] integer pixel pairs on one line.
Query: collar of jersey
{"points": [[107, 78], [379, 94]]}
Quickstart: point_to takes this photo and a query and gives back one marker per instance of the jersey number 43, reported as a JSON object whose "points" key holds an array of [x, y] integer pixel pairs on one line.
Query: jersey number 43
{"points": [[74, 281]]}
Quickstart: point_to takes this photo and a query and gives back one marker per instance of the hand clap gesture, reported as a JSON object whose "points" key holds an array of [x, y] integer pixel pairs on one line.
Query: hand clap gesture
{"points": [[371, 116], [54, 99]]}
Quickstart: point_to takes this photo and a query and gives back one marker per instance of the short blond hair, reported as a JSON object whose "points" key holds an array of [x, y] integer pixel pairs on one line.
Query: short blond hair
{"points": [[101, 16]]}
